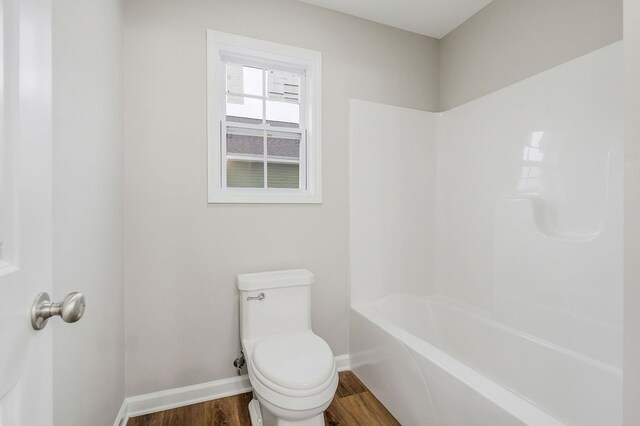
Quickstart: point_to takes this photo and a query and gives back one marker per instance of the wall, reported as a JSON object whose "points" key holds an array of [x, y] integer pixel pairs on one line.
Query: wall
{"points": [[510, 40], [528, 223], [182, 255], [529, 194], [88, 356], [393, 191], [632, 213]]}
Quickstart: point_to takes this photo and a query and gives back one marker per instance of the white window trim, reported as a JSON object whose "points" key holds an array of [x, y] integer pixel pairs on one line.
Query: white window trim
{"points": [[223, 44]]}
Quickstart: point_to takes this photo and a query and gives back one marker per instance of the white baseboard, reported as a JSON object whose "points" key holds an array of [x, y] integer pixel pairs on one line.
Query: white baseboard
{"points": [[121, 419], [342, 362], [179, 397]]}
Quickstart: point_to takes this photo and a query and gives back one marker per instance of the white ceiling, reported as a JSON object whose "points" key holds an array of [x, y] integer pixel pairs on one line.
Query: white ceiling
{"points": [[434, 18]]}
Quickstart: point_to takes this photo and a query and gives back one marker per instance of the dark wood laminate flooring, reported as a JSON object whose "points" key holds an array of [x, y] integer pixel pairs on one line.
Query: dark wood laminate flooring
{"points": [[353, 404]]}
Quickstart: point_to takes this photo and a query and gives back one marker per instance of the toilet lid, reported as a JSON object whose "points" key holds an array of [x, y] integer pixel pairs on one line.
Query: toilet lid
{"points": [[298, 361]]}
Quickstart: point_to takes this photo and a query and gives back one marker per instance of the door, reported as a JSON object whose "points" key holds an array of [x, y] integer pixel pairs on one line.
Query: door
{"points": [[25, 210]]}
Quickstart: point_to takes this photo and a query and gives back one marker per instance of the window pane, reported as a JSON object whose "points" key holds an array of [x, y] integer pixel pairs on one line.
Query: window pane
{"points": [[245, 174], [285, 145], [245, 141], [283, 114], [283, 86], [245, 80], [244, 110], [281, 175]]}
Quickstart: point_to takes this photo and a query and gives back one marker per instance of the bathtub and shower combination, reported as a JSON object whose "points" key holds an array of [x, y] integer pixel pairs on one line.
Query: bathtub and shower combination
{"points": [[486, 253]]}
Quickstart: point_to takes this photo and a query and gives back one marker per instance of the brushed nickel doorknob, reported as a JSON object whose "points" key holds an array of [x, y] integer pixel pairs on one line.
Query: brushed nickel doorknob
{"points": [[70, 310]]}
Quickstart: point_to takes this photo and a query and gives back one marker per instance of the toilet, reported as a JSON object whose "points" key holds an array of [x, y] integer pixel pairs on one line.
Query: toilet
{"points": [[292, 371]]}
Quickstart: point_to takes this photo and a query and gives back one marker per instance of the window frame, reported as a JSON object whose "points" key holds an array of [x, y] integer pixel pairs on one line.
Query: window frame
{"points": [[222, 48]]}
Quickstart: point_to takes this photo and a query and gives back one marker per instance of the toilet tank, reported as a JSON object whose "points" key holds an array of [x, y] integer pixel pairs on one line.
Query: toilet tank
{"points": [[285, 307]]}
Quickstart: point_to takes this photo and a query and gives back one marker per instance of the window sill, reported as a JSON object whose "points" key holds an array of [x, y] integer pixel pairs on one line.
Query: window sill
{"points": [[226, 197]]}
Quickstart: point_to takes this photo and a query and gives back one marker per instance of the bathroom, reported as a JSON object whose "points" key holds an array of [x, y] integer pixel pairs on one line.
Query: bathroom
{"points": [[478, 270]]}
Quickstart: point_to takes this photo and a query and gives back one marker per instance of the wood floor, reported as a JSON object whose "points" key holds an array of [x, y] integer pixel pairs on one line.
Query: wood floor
{"points": [[353, 404]]}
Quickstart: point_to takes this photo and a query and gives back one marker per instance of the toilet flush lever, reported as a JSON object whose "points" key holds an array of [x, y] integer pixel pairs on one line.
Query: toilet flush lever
{"points": [[258, 297]]}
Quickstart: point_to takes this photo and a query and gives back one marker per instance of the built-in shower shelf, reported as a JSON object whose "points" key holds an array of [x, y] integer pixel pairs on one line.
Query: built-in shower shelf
{"points": [[536, 214]]}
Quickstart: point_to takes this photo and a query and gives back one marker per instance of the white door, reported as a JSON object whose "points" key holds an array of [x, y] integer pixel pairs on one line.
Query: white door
{"points": [[25, 210]]}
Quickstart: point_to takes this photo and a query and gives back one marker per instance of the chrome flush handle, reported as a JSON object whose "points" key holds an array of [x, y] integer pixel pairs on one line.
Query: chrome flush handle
{"points": [[70, 310], [259, 297]]}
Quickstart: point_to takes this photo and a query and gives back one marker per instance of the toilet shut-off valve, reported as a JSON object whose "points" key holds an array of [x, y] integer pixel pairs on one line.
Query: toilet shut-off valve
{"points": [[238, 363]]}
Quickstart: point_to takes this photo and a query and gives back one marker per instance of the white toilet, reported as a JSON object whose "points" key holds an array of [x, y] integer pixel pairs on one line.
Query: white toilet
{"points": [[292, 371]]}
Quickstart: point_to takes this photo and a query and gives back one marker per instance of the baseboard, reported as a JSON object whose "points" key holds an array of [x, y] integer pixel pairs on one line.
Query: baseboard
{"points": [[343, 363], [121, 419], [179, 397]]}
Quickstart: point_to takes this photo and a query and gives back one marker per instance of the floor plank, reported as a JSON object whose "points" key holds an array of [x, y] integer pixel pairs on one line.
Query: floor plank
{"points": [[337, 415], [229, 411], [367, 410], [353, 405], [349, 385]]}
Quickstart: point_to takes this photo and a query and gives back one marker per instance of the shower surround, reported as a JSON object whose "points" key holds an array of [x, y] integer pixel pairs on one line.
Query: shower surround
{"points": [[486, 252]]}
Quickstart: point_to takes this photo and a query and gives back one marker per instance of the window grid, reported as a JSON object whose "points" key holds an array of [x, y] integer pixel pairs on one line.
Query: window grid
{"points": [[267, 129]]}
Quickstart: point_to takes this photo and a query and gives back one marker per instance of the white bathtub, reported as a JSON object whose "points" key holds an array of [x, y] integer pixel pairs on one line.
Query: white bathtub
{"points": [[434, 363]]}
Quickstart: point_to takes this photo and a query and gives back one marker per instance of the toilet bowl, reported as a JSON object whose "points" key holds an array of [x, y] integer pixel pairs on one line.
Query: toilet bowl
{"points": [[292, 370]]}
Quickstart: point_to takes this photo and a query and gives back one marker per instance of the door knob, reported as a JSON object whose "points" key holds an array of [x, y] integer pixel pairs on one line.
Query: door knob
{"points": [[70, 310]]}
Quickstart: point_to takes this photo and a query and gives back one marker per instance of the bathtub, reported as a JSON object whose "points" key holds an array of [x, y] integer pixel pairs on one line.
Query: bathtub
{"points": [[433, 362]]}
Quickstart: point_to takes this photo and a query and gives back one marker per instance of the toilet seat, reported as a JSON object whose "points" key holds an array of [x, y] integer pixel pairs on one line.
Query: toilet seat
{"points": [[293, 364], [291, 401]]}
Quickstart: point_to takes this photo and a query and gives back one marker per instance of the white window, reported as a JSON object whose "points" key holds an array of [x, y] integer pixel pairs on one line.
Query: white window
{"points": [[264, 121]]}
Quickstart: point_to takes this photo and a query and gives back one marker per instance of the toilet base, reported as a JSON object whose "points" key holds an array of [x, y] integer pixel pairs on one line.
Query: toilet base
{"points": [[254, 413], [262, 417]]}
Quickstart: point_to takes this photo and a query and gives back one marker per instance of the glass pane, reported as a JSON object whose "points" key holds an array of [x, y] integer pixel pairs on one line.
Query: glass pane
{"points": [[244, 110], [245, 141], [245, 80], [283, 86], [283, 114], [280, 175], [245, 174], [285, 145]]}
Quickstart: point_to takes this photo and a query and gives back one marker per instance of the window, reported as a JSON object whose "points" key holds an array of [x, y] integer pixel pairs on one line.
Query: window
{"points": [[264, 121]]}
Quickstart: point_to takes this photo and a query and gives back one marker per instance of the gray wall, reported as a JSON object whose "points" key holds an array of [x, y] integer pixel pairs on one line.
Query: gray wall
{"points": [[510, 40], [632, 215], [182, 255], [88, 357]]}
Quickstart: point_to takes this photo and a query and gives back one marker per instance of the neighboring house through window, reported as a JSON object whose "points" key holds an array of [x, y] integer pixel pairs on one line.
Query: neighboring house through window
{"points": [[264, 118]]}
